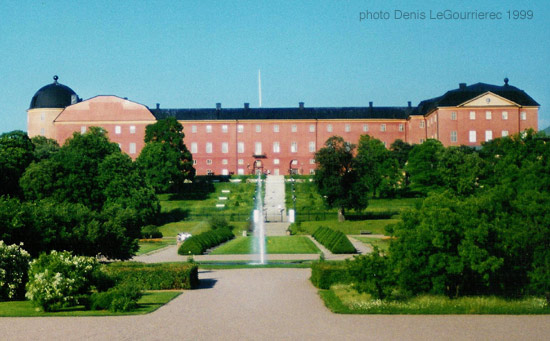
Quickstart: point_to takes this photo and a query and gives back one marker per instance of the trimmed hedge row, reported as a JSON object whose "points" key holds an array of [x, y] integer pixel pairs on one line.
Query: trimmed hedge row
{"points": [[335, 241], [325, 274], [155, 276], [196, 245]]}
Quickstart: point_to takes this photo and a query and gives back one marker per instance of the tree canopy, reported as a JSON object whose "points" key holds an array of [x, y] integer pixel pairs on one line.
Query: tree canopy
{"points": [[16, 153]]}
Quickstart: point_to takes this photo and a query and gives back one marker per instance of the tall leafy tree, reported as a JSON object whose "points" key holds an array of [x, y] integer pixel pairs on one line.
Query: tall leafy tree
{"points": [[165, 159], [16, 153], [422, 166], [44, 147], [336, 177]]}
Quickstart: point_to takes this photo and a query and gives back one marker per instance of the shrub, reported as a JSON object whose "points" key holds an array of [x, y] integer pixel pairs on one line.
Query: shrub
{"points": [[150, 231], [60, 280], [120, 298], [218, 222], [371, 274], [325, 274], [155, 276], [14, 265], [335, 241], [198, 244]]}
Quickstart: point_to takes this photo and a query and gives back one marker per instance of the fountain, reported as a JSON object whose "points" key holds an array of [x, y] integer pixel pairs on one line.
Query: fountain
{"points": [[259, 228]]}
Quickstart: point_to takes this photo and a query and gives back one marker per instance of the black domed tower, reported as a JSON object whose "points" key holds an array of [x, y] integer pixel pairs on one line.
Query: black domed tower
{"points": [[46, 104]]}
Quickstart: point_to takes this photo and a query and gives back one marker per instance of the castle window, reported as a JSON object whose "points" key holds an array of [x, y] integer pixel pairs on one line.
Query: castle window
{"points": [[132, 148], [472, 115], [224, 128], [294, 147], [453, 115], [505, 115], [275, 161], [294, 128], [225, 172], [193, 129], [329, 128], [241, 162], [311, 161], [224, 162], [42, 131], [117, 130], [504, 133], [208, 161], [42, 117], [258, 148], [208, 128], [194, 148], [132, 129], [347, 128], [422, 124], [312, 128], [488, 115], [401, 127], [488, 135], [365, 127], [240, 128], [194, 161], [240, 171], [473, 136], [209, 147], [453, 136], [276, 128], [383, 127], [258, 128], [82, 129], [312, 146], [276, 147], [312, 171], [523, 115], [240, 147], [225, 147]]}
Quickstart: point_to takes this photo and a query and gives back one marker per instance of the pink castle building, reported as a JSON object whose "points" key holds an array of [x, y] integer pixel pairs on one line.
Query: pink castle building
{"points": [[282, 140]]}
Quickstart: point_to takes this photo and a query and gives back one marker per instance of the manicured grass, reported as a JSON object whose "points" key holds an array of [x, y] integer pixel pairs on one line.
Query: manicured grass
{"points": [[151, 301], [274, 245], [343, 299], [349, 227], [241, 265], [382, 243], [150, 245]]}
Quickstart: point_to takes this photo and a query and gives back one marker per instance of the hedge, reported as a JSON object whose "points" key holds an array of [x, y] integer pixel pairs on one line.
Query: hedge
{"points": [[335, 241], [155, 276], [197, 245], [324, 274]]}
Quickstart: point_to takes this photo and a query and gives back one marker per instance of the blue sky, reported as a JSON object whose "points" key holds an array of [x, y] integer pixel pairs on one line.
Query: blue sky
{"points": [[188, 54]]}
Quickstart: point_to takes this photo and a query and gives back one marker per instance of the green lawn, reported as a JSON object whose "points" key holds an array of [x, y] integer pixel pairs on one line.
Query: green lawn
{"points": [[274, 245], [146, 246], [349, 227], [343, 299], [382, 244], [151, 301]]}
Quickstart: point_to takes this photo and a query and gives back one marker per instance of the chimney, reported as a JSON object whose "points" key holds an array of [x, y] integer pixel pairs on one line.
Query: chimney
{"points": [[218, 106], [158, 106], [370, 104], [247, 106], [301, 105], [462, 85], [409, 103]]}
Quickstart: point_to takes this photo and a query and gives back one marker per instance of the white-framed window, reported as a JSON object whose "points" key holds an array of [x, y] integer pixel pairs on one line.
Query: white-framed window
{"points": [[453, 136], [453, 115], [225, 147], [240, 128], [473, 137], [276, 128], [224, 161], [132, 129], [383, 127], [312, 128], [225, 172], [258, 148], [312, 171], [194, 147], [193, 128], [294, 147], [240, 147], [275, 161], [311, 146], [276, 147], [118, 129], [43, 131], [209, 172], [132, 148], [194, 161], [422, 124], [505, 115], [240, 171], [209, 147], [472, 115], [421, 141], [82, 129], [365, 127], [258, 128], [385, 144], [504, 133], [347, 128], [329, 128], [523, 115], [488, 115], [225, 128], [294, 162], [401, 127], [488, 135], [208, 161], [42, 116], [208, 128], [294, 128], [240, 161], [311, 161]]}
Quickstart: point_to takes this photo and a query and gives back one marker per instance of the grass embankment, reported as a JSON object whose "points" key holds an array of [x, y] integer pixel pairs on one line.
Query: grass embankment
{"points": [[274, 245], [151, 301], [343, 299], [150, 245], [349, 227], [383, 244]]}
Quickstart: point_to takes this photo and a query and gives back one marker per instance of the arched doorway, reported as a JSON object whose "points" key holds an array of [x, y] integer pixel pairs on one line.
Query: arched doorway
{"points": [[293, 167], [257, 167]]}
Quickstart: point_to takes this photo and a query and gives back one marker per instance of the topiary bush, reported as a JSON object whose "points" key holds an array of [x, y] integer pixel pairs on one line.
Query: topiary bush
{"points": [[335, 241], [197, 245], [14, 265], [59, 280], [154, 276], [150, 231], [325, 274]]}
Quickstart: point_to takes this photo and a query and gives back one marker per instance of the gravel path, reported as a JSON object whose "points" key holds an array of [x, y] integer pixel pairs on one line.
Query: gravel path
{"points": [[268, 304]]}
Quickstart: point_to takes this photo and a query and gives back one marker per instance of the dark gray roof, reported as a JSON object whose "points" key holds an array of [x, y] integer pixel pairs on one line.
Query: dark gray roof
{"points": [[54, 95], [284, 113], [464, 93]]}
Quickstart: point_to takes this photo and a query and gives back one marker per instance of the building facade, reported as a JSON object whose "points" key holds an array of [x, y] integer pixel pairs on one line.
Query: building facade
{"points": [[284, 140]]}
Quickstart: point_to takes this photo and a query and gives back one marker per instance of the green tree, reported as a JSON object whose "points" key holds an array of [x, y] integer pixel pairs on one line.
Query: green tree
{"points": [[423, 168], [16, 153], [44, 147], [165, 159], [460, 169], [336, 178]]}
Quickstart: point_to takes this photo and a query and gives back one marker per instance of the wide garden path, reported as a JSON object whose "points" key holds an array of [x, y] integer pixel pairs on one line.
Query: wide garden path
{"points": [[269, 304]]}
